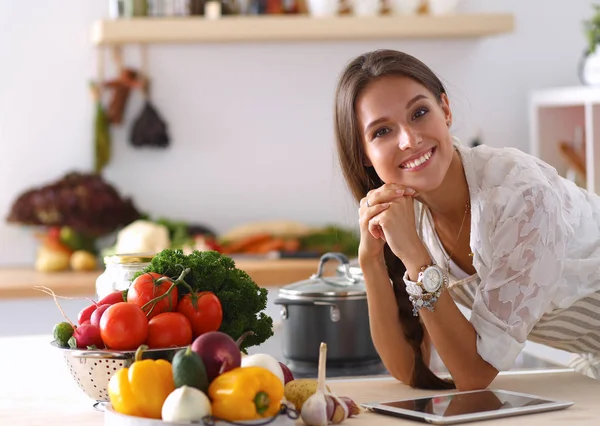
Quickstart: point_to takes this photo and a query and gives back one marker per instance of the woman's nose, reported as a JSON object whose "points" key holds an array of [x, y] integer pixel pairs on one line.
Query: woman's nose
{"points": [[408, 138]]}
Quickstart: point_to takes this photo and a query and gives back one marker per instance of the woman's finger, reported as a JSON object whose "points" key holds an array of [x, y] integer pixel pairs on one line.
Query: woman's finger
{"points": [[367, 213], [375, 229], [371, 220], [386, 194]]}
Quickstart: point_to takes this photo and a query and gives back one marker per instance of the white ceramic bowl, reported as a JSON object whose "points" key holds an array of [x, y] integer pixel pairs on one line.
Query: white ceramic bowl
{"points": [[323, 8], [366, 7], [442, 7], [404, 7]]}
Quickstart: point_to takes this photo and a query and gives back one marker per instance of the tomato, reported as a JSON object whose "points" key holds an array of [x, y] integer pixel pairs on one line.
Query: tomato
{"points": [[203, 310], [144, 288], [123, 326], [169, 329]]}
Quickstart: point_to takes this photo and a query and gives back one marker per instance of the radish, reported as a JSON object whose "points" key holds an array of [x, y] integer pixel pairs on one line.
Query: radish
{"points": [[97, 314], [86, 313], [86, 336], [112, 298], [219, 352]]}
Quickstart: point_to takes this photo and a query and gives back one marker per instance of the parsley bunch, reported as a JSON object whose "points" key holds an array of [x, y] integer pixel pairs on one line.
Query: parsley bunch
{"points": [[243, 301]]}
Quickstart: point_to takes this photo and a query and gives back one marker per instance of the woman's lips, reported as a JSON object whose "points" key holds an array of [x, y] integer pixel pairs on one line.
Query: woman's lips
{"points": [[418, 163]]}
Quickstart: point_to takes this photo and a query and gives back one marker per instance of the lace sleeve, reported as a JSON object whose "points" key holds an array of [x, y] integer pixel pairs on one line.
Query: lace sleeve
{"points": [[528, 248]]}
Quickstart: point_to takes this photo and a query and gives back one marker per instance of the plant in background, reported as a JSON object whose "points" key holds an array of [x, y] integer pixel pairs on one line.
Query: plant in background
{"points": [[592, 29]]}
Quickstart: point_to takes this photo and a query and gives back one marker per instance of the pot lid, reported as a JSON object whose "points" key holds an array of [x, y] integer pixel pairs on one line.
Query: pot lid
{"points": [[353, 267], [342, 285]]}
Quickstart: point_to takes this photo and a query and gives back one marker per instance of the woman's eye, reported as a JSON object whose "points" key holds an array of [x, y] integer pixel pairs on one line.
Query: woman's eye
{"points": [[381, 132], [420, 113]]}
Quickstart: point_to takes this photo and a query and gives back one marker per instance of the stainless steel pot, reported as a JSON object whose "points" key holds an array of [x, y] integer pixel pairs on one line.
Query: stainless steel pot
{"points": [[327, 309]]}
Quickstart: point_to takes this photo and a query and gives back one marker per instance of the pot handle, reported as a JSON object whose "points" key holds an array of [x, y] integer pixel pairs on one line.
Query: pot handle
{"points": [[334, 311], [342, 259]]}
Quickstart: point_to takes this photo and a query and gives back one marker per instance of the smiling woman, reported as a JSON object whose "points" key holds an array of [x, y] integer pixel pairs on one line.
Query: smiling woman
{"points": [[493, 229]]}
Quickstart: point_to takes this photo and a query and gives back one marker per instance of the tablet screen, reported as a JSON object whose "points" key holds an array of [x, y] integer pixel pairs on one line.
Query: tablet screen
{"points": [[466, 403]]}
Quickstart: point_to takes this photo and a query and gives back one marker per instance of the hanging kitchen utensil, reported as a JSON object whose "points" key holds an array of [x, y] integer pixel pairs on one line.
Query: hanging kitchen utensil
{"points": [[121, 86], [102, 137], [149, 129]]}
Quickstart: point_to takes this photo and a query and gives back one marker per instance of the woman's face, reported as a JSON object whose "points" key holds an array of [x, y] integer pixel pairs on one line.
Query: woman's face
{"points": [[405, 132]]}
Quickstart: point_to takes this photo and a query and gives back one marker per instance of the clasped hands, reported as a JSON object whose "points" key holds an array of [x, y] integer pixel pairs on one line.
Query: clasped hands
{"points": [[386, 215]]}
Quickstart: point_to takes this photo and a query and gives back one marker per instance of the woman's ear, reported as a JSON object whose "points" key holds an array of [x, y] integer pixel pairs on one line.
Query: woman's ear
{"points": [[445, 104]]}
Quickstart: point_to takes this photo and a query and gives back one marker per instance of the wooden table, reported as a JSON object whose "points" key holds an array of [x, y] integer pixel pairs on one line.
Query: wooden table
{"points": [[20, 282], [37, 390]]}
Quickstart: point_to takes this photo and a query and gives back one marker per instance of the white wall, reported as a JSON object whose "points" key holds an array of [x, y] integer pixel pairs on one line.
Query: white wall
{"points": [[251, 124]]}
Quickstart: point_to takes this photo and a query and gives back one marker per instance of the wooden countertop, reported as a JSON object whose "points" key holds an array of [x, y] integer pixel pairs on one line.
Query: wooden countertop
{"points": [[37, 390], [19, 282]]}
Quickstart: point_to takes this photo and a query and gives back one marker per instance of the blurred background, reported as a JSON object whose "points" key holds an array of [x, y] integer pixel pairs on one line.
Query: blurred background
{"points": [[130, 126], [248, 124]]}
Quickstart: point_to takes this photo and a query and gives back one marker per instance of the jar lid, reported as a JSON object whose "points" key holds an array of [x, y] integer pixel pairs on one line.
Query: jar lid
{"points": [[120, 259], [318, 286]]}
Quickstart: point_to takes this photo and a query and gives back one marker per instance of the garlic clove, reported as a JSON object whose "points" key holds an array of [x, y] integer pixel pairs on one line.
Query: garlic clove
{"points": [[353, 408], [340, 410]]}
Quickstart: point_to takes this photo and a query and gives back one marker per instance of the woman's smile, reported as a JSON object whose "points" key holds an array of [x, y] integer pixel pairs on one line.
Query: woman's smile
{"points": [[418, 162]]}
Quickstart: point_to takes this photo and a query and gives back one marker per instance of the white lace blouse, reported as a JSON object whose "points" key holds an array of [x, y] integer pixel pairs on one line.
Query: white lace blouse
{"points": [[535, 237]]}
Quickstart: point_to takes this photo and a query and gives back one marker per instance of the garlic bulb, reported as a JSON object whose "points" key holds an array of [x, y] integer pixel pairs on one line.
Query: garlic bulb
{"points": [[186, 404], [314, 411]]}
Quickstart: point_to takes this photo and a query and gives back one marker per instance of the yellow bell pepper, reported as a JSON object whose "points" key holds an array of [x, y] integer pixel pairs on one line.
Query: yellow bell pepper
{"points": [[246, 393], [141, 389]]}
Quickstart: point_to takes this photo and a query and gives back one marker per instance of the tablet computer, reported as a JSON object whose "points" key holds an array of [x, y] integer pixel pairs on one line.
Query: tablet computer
{"points": [[468, 406]]}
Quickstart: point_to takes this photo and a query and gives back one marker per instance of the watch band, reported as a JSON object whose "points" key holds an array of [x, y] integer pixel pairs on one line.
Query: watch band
{"points": [[418, 294]]}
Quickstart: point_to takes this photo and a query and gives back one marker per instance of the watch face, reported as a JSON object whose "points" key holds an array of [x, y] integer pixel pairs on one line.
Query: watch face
{"points": [[433, 278]]}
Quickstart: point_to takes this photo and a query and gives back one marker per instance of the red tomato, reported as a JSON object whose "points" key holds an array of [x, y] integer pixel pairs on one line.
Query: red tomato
{"points": [[169, 329], [203, 310], [123, 326], [144, 289]]}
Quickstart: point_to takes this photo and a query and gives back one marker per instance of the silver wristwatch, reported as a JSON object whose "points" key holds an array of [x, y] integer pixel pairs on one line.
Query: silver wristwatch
{"points": [[427, 289]]}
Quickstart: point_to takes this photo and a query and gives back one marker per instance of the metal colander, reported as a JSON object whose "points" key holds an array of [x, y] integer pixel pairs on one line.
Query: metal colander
{"points": [[92, 369]]}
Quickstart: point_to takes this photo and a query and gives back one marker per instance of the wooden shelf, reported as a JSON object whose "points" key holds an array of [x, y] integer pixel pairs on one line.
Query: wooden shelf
{"points": [[296, 28], [20, 282]]}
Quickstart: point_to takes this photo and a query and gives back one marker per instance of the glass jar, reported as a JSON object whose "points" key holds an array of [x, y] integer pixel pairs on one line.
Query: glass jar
{"points": [[119, 272]]}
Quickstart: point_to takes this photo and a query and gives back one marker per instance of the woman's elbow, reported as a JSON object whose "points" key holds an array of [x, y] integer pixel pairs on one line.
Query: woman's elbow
{"points": [[474, 381]]}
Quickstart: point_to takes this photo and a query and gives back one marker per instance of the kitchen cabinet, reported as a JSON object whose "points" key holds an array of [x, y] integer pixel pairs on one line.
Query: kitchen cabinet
{"points": [[287, 28]]}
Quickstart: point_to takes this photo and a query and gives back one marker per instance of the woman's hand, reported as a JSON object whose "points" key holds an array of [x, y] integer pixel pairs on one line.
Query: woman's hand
{"points": [[377, 201], [394, 224]]}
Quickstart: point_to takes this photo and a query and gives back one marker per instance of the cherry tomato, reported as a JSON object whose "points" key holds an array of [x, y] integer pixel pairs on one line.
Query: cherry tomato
{"points": [[123, 326], [203, 310], [169, 329], [145, 288]]}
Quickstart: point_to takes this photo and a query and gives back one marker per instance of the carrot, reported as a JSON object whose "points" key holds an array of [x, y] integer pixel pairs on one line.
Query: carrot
{"points": [[240, 245]]}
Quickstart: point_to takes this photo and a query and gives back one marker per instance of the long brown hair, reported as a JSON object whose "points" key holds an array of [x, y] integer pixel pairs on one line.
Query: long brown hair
{"points": [[361, 179]]}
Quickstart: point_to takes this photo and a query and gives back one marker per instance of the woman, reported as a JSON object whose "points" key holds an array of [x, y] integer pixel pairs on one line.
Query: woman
{"points": [[495, 230]]}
